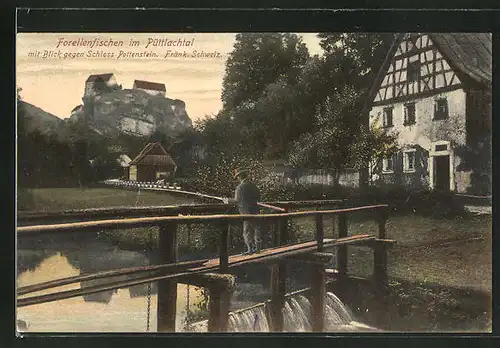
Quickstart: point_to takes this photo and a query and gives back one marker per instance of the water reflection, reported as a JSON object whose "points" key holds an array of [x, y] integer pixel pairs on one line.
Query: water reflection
{"points": [[101, 258], [121, 310]]}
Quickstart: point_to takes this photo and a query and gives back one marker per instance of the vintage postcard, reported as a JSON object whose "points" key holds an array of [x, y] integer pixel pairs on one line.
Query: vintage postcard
{"points": [[254, 182]]}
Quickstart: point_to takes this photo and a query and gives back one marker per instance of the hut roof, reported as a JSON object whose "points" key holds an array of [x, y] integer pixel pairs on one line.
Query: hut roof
{"points": [[155, 155]]}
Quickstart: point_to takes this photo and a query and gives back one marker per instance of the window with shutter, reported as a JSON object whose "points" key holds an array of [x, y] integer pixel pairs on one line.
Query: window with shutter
{"points": [[441, 109], [409, 161], [409, 114], [388, 164], [388, 117]]}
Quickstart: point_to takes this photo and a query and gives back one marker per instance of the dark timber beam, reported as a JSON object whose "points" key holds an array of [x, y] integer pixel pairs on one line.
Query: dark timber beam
{"points": [[318, 298], [342, 256], [320, 234], [342, 249], [278, 292], [218, 310], [315, 258], [278, 282], [220, 288], [209, 280], [167, 288], [380, 252]]}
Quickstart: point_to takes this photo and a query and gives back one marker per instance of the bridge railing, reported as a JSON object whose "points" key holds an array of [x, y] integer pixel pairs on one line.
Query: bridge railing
{"points": [[167, 219], [168, 224]]}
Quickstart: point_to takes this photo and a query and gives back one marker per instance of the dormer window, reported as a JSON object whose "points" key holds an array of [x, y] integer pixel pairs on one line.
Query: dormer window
{"points": [[441, 109], [413, 71]]}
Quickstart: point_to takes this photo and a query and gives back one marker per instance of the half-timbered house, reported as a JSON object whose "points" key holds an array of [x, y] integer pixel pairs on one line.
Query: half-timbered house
{"points": [[434, 92]]}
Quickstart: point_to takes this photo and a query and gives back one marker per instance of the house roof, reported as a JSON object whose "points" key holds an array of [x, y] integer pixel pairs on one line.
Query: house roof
{"points": [[102, 77], [123, 160], [149, 85], [467, 53], [154, 154]]}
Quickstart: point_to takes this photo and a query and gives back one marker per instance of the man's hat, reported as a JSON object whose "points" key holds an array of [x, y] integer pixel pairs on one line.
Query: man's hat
{"points": [[238, 172]]}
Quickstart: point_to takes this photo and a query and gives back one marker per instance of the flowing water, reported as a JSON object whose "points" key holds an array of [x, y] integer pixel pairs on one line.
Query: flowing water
{"points": [[297, 316]]}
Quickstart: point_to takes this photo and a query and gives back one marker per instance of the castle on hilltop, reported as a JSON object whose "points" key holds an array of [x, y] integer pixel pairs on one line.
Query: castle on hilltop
{"points": [[97, 82]]}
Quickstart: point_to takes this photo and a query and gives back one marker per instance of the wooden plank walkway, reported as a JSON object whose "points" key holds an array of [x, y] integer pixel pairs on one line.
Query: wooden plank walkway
{"points": [[271, 254], [285, 251]]}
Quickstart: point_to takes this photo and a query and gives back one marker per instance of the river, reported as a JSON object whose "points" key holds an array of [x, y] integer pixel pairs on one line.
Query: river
{"points": [[122, 310]]}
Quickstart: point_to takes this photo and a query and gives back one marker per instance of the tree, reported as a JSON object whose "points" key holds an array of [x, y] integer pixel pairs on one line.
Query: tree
{"points": [[328, 145], [259, 60], [361, 54], [371, 146], [337, 84], [262, 104]]}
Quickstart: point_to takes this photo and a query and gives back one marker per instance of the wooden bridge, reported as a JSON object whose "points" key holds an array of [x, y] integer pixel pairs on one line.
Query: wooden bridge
{"points": [[215, 274]]}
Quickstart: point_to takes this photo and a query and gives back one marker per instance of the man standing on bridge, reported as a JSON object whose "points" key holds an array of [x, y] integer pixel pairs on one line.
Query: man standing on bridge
{"points": [[247, 196]]}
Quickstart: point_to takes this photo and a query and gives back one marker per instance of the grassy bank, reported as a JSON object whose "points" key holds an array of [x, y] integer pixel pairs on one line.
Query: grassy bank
{"points": [[58, 199], [453, 252], [412, 307]]}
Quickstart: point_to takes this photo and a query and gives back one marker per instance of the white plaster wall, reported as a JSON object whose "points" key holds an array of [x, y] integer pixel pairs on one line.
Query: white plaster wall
{"points": [[426, 130]]}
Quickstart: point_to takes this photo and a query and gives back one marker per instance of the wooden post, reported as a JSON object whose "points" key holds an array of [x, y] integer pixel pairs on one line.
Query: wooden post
{"points": [[283, 232], [342, 249], [342, 257], [278, 283], [318, 298], [320, 235], [224, 248], [380, 252], [218, 305], [167, 289], [380, 272], [278, 291], [334, 222]]}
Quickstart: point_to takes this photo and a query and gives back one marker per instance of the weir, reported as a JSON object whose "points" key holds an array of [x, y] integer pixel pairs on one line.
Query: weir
{"points": [[298, 316], [321, 311]]}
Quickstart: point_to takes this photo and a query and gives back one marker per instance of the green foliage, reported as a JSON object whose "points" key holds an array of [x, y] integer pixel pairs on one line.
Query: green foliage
{"points": [[339, 81], [279, 103], [354, 58], [372, 145], [259, 60], [327, 146]]}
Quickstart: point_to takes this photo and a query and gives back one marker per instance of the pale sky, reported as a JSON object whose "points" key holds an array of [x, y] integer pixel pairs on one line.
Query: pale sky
{"points": [[56, 84]]}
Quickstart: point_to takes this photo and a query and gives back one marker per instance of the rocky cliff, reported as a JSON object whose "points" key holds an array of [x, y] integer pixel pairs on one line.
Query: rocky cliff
{"points": [[133, 112]]}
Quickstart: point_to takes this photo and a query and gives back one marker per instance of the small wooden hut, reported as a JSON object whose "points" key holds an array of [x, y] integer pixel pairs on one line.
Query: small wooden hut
{"points": [[151, 164]]}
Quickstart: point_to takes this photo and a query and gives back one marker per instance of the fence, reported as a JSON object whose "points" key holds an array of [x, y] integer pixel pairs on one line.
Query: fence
{"points": [[321, 177], [152, 184], [213, 274]]}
